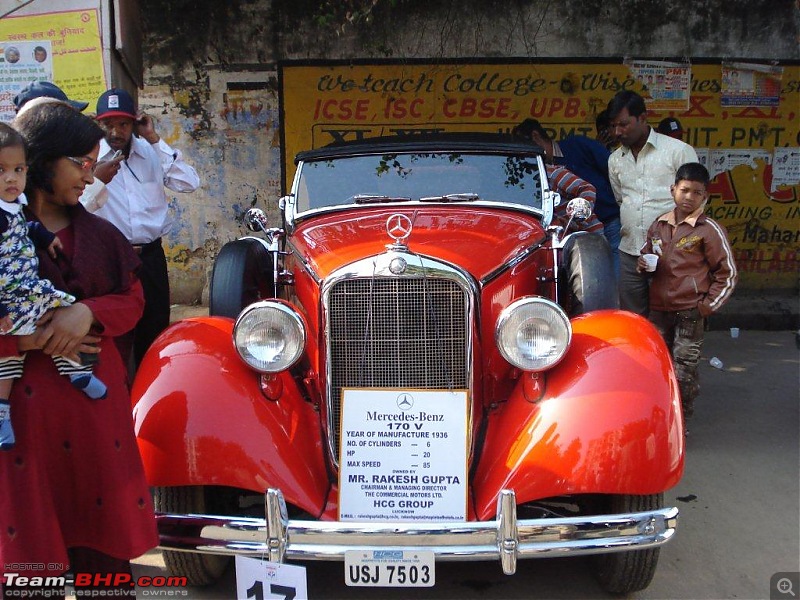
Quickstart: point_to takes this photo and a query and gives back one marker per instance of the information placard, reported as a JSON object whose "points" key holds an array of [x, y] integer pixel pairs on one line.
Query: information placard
{"points": [[403, 455]]}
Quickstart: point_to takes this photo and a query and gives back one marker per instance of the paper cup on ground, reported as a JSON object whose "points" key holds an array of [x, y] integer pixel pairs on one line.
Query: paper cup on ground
{"points": [[734, 332], [651, 260]]}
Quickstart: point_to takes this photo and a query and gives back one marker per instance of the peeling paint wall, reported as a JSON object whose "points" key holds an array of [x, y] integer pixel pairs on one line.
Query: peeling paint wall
{"points": [[233, 143], [211, 81]]}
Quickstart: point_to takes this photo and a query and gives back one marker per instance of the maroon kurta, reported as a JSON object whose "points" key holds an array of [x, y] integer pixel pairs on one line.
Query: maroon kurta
{"points": [[75, 477]]}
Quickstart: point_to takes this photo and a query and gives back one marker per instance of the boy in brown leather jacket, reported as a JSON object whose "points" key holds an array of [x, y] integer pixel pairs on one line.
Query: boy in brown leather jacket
{"points": [[694, 276]]}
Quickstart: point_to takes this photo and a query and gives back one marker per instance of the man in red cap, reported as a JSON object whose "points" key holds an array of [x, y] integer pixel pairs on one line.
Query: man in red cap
{"points": [[136, 164]]}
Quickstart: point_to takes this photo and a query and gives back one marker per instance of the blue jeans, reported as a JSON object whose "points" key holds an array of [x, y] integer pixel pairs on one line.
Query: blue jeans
{"points": [[611, 230]]}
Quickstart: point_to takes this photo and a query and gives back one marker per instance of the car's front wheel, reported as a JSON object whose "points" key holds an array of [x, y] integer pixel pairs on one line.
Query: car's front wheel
{"points": [[242, 275], [199, 569], [588, 281], [625, 572]]}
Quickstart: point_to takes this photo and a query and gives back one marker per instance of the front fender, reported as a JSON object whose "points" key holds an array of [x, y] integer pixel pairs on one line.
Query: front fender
{"points": [[201, 419], [609, 420]]}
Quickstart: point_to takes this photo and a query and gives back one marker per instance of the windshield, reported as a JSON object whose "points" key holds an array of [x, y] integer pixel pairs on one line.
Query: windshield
{"points": [[408, 177]]}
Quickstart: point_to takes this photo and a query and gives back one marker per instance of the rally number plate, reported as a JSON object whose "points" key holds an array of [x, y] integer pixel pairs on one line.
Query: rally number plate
{"points": [[389, 568]]}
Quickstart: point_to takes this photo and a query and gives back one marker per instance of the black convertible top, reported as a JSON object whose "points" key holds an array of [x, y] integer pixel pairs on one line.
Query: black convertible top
{"points": [[486, 143]]}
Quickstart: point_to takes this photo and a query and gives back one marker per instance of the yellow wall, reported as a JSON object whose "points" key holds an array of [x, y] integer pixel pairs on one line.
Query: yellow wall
{"points": [[323, 103]]}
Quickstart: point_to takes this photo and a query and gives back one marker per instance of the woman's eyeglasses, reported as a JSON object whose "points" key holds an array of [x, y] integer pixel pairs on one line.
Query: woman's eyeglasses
{"points": [[84, 162]]}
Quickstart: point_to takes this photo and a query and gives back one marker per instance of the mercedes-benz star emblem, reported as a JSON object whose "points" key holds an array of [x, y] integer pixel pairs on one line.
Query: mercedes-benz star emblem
{"points": [[405, 401], [398, 227]]}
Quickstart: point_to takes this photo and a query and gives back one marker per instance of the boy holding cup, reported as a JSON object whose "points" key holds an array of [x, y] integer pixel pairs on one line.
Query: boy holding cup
{"points": [[694, 274]]}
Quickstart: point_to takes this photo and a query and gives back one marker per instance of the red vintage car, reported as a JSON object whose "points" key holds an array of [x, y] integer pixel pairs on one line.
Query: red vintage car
{"points": [[421, 363]]}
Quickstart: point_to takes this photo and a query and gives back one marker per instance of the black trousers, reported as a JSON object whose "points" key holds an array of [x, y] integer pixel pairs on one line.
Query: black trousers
{"points": [[155, 282]]}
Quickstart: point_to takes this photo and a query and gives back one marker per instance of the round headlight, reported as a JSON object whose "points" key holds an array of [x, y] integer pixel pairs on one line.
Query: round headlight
{"points": [[533, 334], [269, 336]]}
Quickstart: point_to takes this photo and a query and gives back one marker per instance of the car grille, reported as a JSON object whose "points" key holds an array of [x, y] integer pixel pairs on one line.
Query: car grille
{"points": [[409, 333]]}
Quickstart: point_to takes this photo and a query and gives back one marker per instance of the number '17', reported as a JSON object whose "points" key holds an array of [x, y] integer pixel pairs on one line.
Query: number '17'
{"points": [[257, 591]]}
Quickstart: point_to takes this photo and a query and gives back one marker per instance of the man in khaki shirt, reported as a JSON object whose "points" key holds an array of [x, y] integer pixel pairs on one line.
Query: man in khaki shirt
{"points": [[641, 171]]}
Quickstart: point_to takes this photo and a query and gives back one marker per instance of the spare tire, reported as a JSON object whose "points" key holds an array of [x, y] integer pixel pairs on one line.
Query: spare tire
{"points": [[587, 280], [242, 275]]}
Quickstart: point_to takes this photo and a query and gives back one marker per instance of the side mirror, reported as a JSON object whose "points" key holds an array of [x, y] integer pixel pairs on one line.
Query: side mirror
{"points": [[579, 209], [255, 219]]}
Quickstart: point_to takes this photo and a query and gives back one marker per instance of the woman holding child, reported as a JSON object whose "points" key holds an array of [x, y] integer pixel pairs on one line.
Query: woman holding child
{"points": [[74, 496]]}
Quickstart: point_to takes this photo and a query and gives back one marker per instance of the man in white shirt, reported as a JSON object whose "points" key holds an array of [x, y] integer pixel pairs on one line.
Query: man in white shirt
{"points": [[137, 204], [641, 172]]}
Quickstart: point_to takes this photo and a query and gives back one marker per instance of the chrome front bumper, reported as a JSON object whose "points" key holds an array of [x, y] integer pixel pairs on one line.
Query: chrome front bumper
{"points": [[278, 538]]}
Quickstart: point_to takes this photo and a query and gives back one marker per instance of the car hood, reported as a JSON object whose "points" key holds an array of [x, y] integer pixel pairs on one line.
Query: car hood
{"points": [[478, 239]]}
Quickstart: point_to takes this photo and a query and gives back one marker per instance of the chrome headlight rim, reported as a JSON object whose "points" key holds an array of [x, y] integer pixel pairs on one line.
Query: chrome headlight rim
{"points": [[534, 307], [280, 314]]}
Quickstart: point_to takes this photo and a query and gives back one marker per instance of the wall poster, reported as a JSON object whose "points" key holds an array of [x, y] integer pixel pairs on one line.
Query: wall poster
{"points": [[62, 47], [745, 84], [665, 85]]}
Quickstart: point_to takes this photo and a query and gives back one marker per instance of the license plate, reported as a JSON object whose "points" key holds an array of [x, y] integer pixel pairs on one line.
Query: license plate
{"points": [[389, 568]]}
